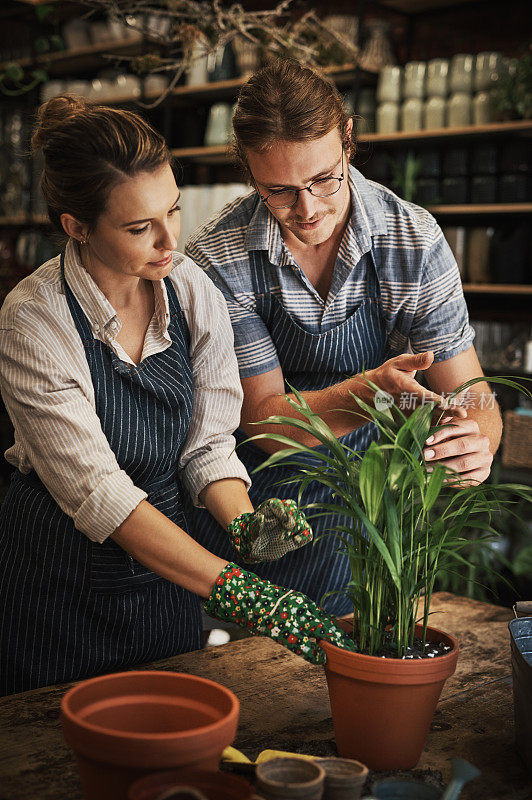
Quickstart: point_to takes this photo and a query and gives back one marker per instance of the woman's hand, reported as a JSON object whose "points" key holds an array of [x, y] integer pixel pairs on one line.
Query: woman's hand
{"points": [[286, 616], [461, 447], [275, 528]]}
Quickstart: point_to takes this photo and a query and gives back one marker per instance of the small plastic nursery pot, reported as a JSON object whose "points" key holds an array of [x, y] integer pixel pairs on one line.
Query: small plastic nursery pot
{"points": [[213, 785], [290, 778], [382, 707], [126, 725], [344, 778], [404, 790]]}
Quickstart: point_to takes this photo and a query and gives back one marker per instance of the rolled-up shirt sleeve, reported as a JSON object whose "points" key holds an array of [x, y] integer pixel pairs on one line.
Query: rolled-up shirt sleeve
{"points": [[441, 319], [208, 454], [63, 438]]}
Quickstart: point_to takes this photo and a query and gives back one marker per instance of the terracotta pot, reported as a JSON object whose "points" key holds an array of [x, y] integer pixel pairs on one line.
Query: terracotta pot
{"points": [[126, 725], [382, 707], [213, 785]]}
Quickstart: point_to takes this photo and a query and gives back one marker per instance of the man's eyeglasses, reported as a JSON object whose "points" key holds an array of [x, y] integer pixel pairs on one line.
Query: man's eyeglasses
{"points": [[286, 198]]}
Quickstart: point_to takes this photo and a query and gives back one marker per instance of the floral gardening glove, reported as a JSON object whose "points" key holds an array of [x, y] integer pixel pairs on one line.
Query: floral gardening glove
{"points": [[275, 528], [286, 616]]}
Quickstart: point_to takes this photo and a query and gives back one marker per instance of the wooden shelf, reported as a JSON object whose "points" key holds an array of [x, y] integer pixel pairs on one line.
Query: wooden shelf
{"points": [[496, 288], [418, 137], [63, 61], [343, 76], [217, 154], [481, 208], [520, 127]]}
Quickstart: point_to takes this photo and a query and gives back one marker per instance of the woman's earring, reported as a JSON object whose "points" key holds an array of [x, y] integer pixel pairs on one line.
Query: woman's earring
{"points": [[83, 241]]}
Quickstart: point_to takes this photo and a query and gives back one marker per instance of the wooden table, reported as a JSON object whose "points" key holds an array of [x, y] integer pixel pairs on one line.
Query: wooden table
{"points": [[285, 706]]}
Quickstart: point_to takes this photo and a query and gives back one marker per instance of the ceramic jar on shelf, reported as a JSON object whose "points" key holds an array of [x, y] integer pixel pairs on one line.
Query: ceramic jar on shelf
{"points": [[388, 117], [218, 130], [488, 69], [437, 80], [434, 112], [459, 110], [389, 95], [414, 81], [437, 86], [199, 70], [460, 103], [221, 64], [483, 108], [461, 73], [390, 85], [412, 114]]}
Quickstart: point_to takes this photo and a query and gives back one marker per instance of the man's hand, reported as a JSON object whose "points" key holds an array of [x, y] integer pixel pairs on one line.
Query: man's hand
{"points": [[463, 448], [397, 377]]}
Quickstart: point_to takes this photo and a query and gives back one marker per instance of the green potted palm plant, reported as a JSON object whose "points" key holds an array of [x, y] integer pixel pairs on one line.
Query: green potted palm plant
{"points": [[383, 696]]}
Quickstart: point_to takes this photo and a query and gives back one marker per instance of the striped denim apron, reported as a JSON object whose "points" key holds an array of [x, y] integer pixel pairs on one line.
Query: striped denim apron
{"points": [[71, 607], [309, 361]]}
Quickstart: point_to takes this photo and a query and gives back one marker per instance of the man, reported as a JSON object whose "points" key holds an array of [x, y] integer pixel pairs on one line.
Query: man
{"points": [[327, 275]]}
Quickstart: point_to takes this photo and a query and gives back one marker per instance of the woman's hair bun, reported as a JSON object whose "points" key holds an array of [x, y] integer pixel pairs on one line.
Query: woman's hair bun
{"points": [[52, 115]]}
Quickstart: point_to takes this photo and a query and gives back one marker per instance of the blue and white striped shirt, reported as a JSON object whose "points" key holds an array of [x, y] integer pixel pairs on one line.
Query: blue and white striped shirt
{"points": [[421, 293]]}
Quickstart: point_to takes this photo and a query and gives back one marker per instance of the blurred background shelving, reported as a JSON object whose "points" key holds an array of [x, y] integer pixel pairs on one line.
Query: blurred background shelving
{"points": [[476, 179]]}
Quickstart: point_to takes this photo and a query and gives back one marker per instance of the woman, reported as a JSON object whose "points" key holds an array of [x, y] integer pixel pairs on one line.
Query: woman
{"points": [[118, 373]]}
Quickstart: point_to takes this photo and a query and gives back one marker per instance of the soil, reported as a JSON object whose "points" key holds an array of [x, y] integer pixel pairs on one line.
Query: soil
{"points": [[416, 650]]}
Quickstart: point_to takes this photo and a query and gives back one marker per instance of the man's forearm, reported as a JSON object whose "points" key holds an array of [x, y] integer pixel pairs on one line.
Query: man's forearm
{"points": [[334, 404]]}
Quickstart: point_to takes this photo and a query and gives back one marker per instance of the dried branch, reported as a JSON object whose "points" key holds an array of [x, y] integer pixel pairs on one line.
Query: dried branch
{"points": [[193, 29]]}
